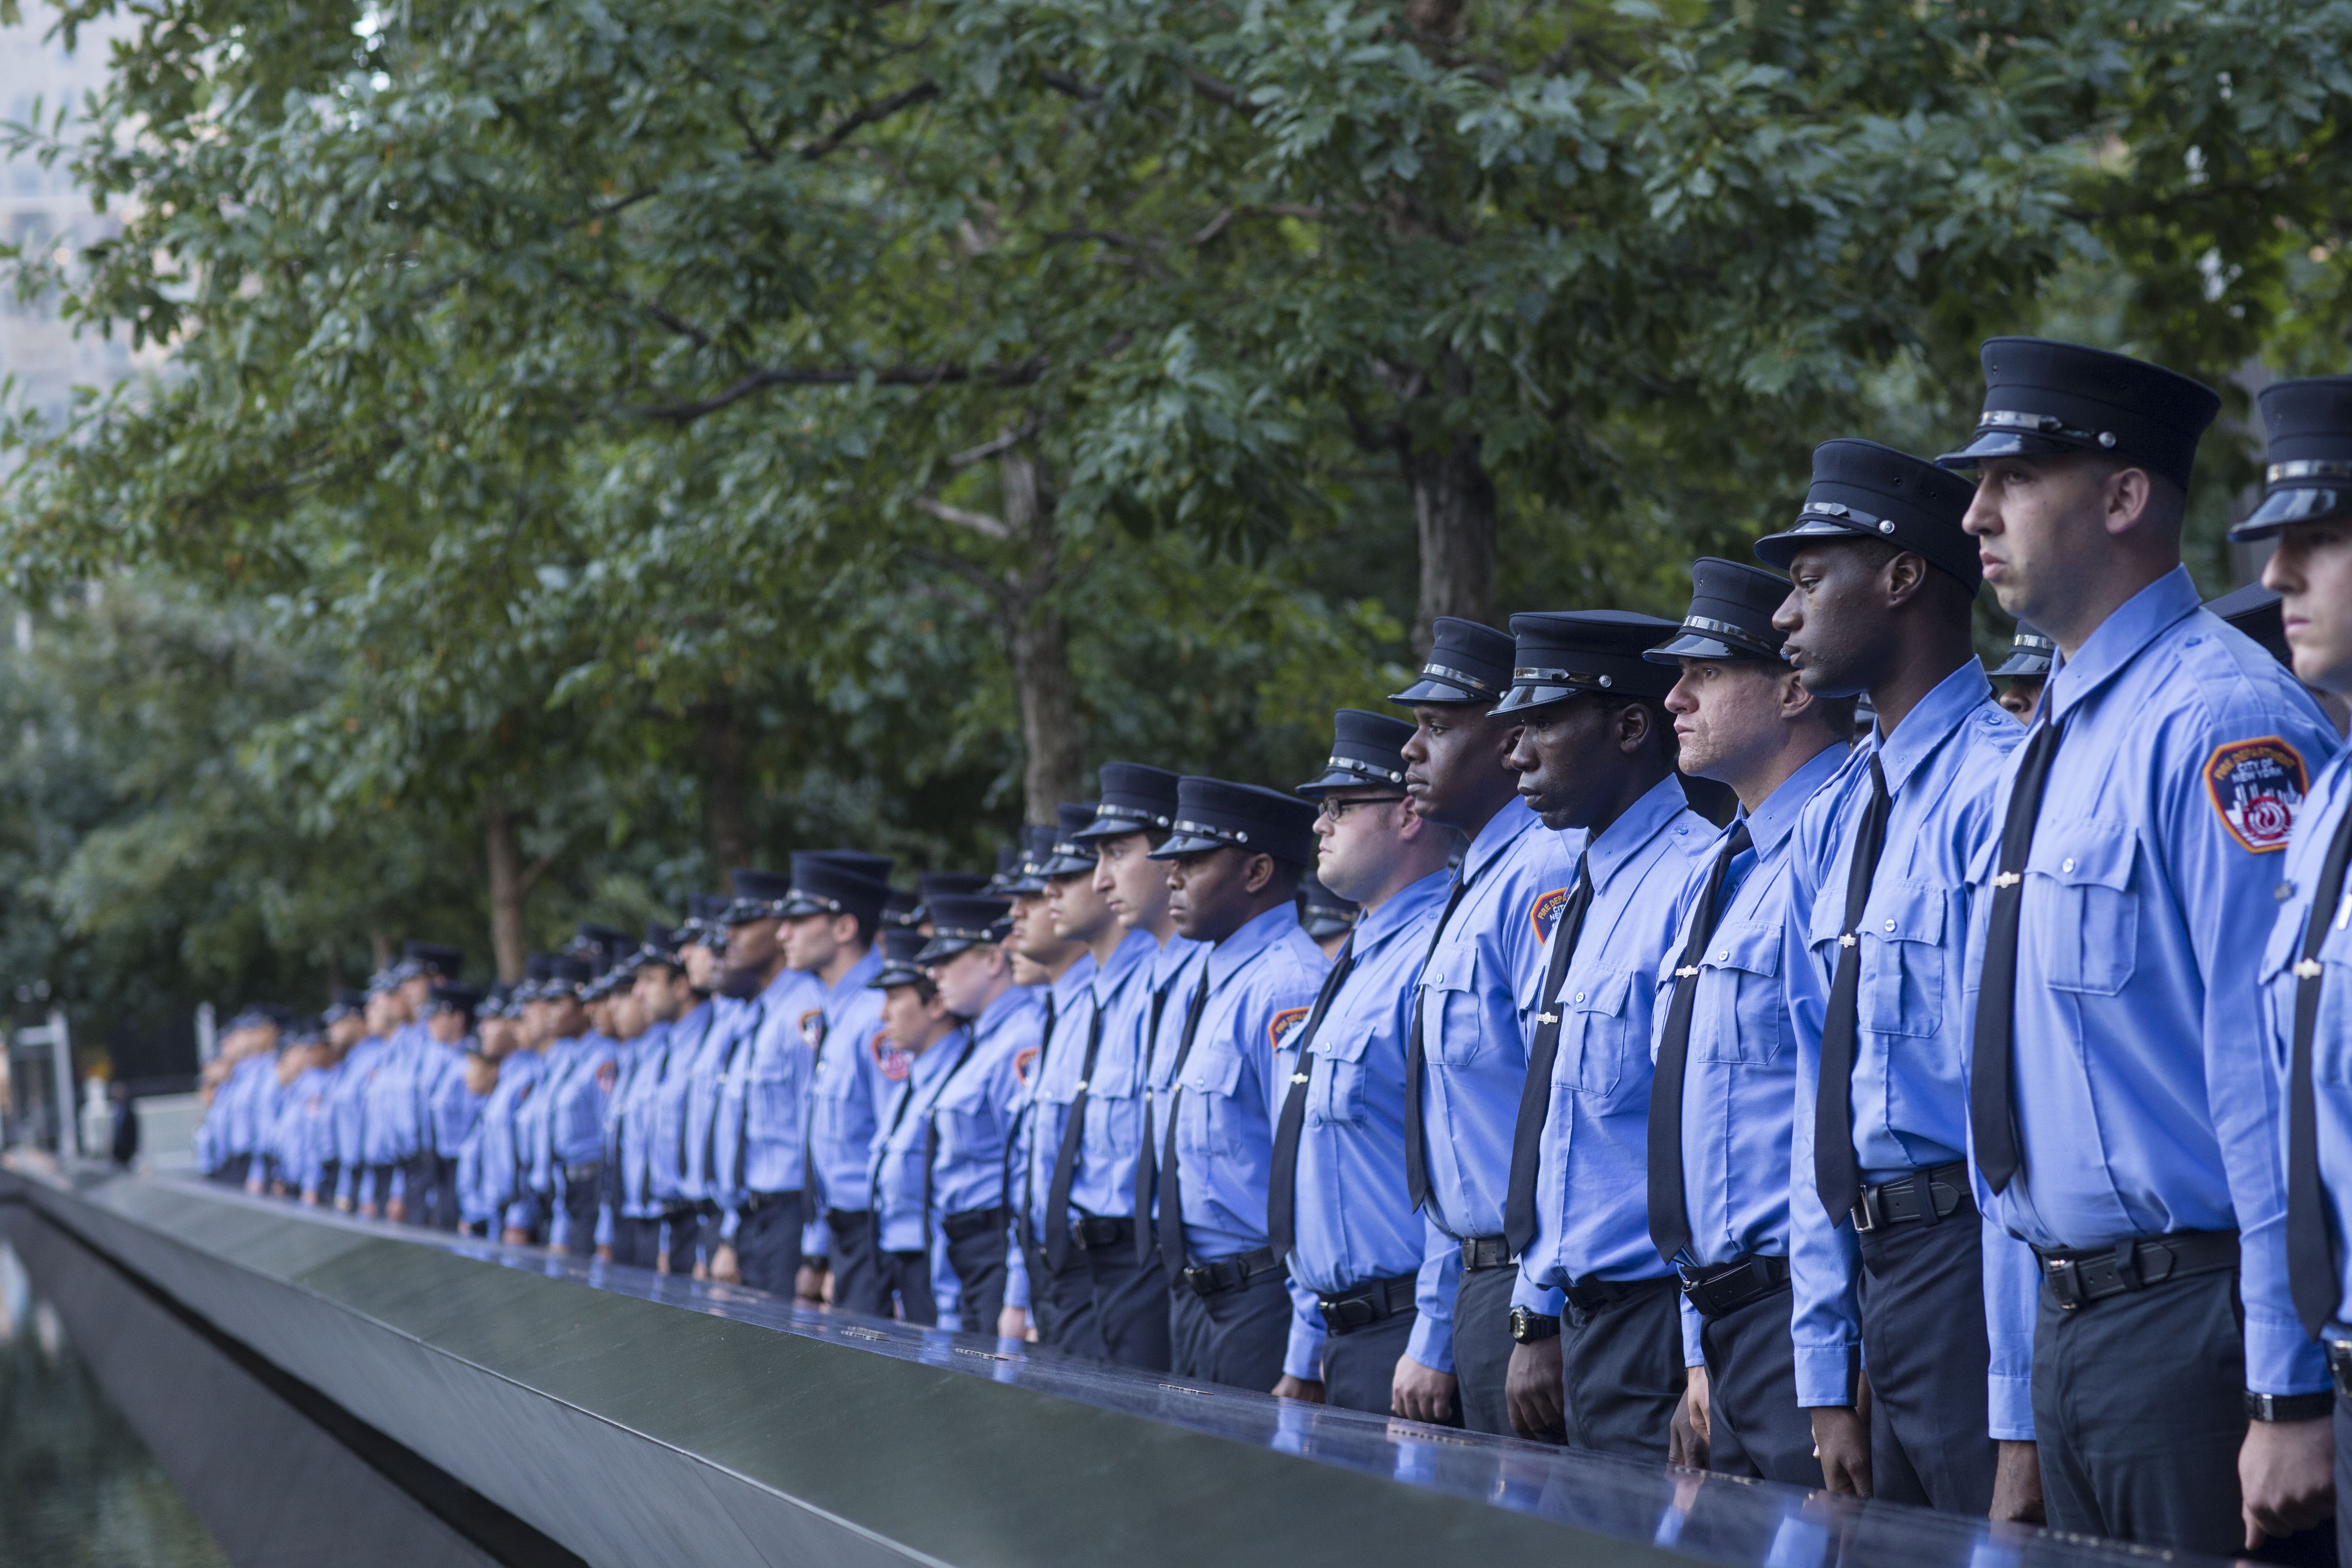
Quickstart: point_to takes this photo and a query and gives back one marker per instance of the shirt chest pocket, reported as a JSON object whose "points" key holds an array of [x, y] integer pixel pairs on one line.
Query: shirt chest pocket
{"points": [[2089, 934], [1902, 991], [1336, 1095], [1739, 974], [1594, 1032], [2331, 1036], [1451, 1010], [1210, 1081]]}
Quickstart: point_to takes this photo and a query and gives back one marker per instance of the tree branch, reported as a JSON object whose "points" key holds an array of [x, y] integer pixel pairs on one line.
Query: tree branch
{"points": [[1006, 441], [978, 521], [1022, 375], [920, 92], [534, 871], [1069, 86]]}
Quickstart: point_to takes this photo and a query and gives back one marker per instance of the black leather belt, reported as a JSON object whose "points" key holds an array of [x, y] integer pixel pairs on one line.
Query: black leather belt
{"points": [[2339, 1366], [586, 1171], [1722, 1288], [1232, 1273], [1589, 1296], [2076, 1277], [1371, 1302], [843, 1222], [1901, 1203], [755, 1201], [1485, 1252], [970, 1223], [1093, 1232]]}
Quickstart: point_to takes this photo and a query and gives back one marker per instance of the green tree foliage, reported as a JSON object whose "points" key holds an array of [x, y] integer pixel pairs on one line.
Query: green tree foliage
{"points": [[678, 432]]}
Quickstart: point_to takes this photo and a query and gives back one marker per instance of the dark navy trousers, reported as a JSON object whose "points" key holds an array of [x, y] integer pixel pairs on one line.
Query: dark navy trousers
{"points": [[768, 1245], [1923, 1338], [1483, 1345], [1622, 1373], [978, 1260], [1359, 1368], [857, 1282], [1130, 1307], [1755, 1428], [1235, 1337]]}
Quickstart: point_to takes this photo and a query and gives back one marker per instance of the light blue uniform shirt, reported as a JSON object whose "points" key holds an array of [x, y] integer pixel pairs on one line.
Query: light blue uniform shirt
{"points": [[1488, 964], [533, 1127], [1113, 1135], [2144, 1099], [1041, 1101], [690, 1038], [449, 1108], [846, 1088], [900, 1173], [306, 1137], [629, 1125], [1352, 1220], [732, 1020], [395, 1112], [1592, 1217], [764, 1102], [974, 1113], [2331, 1036], [1740, 1081], [347, 1109], [1913, 1022], [1262, 983], [1084, 991], [506, 1173]]}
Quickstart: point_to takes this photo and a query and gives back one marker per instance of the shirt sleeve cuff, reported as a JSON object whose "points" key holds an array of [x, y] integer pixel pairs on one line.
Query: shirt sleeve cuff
{"points": [[1692, 1322], [1547, 1299], [2281, 1359], [1431, 1343], [1824, 1376], [1303, 1358], [2009, 1403], [730, 1222]]}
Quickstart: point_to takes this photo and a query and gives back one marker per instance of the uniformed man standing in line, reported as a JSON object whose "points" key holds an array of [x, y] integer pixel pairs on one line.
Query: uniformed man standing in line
{"points": [[568, 1152], [1116, 970], [966, 960], [680, 1140], [1466, 1057], [451, 1105], [2307, 509], [1723, 1095], [347, 1106], [496, 1036], [759, 1149], [1234, 863], [831, 918], [1060, 1307], [1095, 1165], [1600, 1352], [1890, 1257], [930, 1048], [1328, 917], [1337, 1211], [397, 1131], [2119, 1097], [659, 996], [382, 1097], [345, 1021], [2026, 668]]}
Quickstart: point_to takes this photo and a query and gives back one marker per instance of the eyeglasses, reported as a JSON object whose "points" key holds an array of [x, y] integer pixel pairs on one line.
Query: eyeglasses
{"points": [[1333, 807]]}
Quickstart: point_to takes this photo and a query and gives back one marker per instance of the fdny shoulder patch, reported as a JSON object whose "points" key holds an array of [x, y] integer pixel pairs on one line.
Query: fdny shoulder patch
{"points": [[1022, 1060], [895, 1063], [607, 1075], [813, 1027], [1545, 915], [1278, 1028], [2256, 787]]}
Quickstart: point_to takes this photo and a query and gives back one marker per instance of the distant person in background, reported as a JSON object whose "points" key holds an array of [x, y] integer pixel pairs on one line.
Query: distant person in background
{"points": [[2027, 671], [1328, 917], [123, 1146]]}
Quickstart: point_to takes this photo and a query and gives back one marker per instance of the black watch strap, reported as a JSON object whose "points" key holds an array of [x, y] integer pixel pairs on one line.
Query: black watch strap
{"points": [[1527, 1328], [2289, 1407]]}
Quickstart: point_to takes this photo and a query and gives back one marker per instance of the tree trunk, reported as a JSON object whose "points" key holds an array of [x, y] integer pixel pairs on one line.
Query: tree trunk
{"points": [[1050, 731], [381, 945], [1454, 506], [506, 886], [722, 775]]}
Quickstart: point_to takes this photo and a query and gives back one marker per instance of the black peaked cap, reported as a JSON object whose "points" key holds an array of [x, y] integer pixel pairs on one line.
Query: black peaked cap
{"points": [[2044, 397], [960, 921], [937, 885], [1036, 848], [901, 907], [1467, 662], [1071, 854], [1211, 813], [1364, 747], [875, 867], [1323, 912], [1863, 490], [2029, 653], [1730, 614], [434, 958], [1568, 653], [463, 998], [2309, 458], [1136, 799], [2255, 610], [759, 896], [900, 964], [822, 885]]}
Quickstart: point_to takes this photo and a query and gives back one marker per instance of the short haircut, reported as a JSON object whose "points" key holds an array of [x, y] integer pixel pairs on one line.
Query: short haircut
{"points": [[1952, 599]]}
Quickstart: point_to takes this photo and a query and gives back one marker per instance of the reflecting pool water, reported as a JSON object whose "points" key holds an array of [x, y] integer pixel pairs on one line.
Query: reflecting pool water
{"points": [[78, 1488]]}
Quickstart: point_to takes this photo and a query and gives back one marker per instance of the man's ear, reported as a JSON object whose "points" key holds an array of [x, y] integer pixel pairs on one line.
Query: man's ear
{"points": [[1906, 577], [1257, 873], [1633, 728], [1794, 697], [2130, 493]]}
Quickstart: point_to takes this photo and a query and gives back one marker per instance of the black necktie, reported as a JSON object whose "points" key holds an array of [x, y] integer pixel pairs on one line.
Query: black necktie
{"points": [[1146, 1245], [1837, 1174], [1065, 1159], [2310, 1247], [1535, 1095], [1989, 1066], [1669, 1215], [1171, 1191], [931, 1130], [1024, 1224], [1282, 1180], [1416, 1156]]}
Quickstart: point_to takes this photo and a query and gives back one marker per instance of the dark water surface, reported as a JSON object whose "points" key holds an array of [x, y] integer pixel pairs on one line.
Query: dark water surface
{"points": [[78, 1488]]}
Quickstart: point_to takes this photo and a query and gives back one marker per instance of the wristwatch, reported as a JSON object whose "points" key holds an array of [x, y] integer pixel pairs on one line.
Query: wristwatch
{"points": [[1529, 1328], [2289, 1407]]}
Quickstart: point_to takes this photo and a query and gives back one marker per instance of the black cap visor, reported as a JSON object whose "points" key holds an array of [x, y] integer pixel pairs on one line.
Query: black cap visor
{"points": [[2284, 507], [1113, 821], [2004, 443], [1710, 643], [2020, 663], [1183, 841], [1349, 773], [1438, 684]]}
